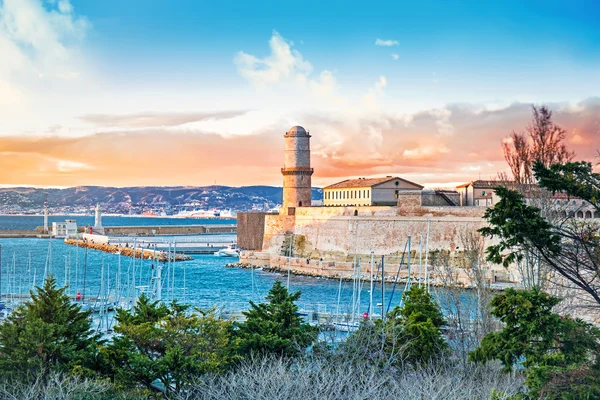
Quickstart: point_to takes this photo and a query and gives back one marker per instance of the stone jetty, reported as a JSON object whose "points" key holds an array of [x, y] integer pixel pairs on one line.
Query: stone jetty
{"points": [[146, 254]]}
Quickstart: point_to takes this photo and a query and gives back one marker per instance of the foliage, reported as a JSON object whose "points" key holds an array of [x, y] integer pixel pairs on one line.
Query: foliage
{"points": [[48, 333], [571, 249], [548, 346], [168, 344], [574, 178], [410, 334], [275, 327], [519, 227]]}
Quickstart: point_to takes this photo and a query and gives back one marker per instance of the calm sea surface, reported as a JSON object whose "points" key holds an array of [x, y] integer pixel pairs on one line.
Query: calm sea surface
{"points": [[29, 222], [208, 282], [203, 281]]}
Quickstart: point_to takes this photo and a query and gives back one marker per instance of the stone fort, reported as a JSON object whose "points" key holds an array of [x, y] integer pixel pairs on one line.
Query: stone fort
{"points": [[359, 218]]}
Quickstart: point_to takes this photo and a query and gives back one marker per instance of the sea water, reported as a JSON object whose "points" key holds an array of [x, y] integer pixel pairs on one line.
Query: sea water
{"points": [[204, 281]]}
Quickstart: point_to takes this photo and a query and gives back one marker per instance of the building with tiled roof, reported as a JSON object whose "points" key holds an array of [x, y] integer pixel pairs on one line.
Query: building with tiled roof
{"points": [[478, 193], [368, 191]]}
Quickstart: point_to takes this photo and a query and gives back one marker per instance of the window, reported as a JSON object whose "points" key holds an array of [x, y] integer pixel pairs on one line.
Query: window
{"points": [[483, 193]]}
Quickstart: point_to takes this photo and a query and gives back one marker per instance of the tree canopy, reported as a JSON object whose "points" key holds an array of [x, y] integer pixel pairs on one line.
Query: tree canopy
{"points": [[544, 343], [167, 343], [47, 334], [275, 327]]}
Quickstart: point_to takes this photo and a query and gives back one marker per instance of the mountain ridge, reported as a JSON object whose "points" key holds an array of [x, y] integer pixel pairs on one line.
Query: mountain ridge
{"points": [[139, 199]]}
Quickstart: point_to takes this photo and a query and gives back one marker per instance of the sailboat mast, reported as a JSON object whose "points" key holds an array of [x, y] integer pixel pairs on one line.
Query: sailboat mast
{"points": [[427, 256], [371, 291], [383, 288], [289, 262]]}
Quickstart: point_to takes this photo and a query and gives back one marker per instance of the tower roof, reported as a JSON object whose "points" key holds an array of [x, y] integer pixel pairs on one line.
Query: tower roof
{"points": [[297, 131]]}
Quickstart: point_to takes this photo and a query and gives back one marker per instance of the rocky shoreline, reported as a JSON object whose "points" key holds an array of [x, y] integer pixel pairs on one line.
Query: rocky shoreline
{"points": [[349, 277]]}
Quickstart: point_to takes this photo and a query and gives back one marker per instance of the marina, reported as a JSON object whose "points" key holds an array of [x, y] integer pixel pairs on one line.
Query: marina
{"points": [[204, 281]]}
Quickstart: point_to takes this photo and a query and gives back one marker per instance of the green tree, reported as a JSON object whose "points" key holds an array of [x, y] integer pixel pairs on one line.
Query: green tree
{"points": [[570, 247], [421, 321], [156, 342], [574, 178], [548, 346], [275, 327], [47, 334], [411, 334]]}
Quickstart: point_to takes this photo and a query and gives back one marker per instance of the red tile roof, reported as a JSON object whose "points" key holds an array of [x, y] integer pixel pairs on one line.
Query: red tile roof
{"points": [[366, 182], [481, 184]]}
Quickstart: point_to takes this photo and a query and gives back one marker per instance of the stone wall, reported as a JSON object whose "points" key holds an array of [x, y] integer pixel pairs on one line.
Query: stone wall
{"points": [[432, 198], [337, 232], [250, 230]]}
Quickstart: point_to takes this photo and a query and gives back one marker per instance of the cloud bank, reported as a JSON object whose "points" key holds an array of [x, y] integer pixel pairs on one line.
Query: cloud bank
{"points": [[413, 146]]}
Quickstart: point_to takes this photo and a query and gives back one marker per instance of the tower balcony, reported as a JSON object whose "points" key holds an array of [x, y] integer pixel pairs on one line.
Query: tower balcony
{"points": [[297, 171]]}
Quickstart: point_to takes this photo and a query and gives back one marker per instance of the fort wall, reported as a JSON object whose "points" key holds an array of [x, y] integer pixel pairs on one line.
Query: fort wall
{"points": [[339, 232]]}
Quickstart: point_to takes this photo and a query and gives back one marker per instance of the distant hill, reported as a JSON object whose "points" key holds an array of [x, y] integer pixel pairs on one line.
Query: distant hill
{"points": [[144, 198]]}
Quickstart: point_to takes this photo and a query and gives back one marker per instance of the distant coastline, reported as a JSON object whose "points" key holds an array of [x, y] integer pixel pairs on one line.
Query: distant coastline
{"points": [[116, 215]]}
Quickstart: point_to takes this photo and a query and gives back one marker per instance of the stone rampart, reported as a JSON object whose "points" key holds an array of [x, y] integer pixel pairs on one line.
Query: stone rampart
{"points": [[341, 231], [250, 230]]}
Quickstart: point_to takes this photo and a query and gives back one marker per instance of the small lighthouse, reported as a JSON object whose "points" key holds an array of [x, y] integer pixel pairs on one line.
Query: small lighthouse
{"points": [[296, 171], [98, 228], [46, 231]]}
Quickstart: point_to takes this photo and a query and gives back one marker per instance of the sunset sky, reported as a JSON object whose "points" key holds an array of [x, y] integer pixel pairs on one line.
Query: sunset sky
{"points": [[131, 93]]}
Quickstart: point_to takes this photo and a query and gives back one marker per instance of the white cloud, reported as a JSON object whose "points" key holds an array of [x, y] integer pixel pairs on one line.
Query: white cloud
{"points": [[444, 126], [370, 98], [395, 56], [386, 43], [283, 64], [39, 56], [380, 84], [286, 69], [39, 41]]}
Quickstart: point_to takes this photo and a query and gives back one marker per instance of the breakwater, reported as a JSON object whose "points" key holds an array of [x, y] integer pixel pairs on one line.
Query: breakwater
{"points": [[145, 254]]}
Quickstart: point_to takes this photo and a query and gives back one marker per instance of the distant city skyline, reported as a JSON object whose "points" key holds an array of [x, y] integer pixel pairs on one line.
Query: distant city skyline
{"points": [[159, 93]]}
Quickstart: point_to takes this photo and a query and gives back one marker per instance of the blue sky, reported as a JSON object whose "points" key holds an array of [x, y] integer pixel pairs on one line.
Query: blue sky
{"points": [[472, 45], [421, 76]]}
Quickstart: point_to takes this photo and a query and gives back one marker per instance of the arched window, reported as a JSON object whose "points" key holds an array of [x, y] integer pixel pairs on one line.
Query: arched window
{"points": [[597, 214], [300, 204], [579, 214], [588, 214]]}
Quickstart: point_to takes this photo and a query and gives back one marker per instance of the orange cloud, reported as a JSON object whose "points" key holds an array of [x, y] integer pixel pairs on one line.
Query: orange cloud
{"points": [[467, 148]]}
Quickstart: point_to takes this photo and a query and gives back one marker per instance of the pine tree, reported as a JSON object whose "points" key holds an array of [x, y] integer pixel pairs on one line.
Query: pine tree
{"points": [[47, 334], [275, 327], [552, 349], [168, 344], [420, 319]]}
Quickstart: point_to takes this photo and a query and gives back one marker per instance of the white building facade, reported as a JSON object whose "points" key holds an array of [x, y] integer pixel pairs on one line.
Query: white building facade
{"points": [[367, 191], [64, 229]]}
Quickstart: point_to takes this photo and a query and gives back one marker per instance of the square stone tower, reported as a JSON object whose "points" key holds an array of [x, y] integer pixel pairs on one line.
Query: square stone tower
{"points": [[296, 171]]}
